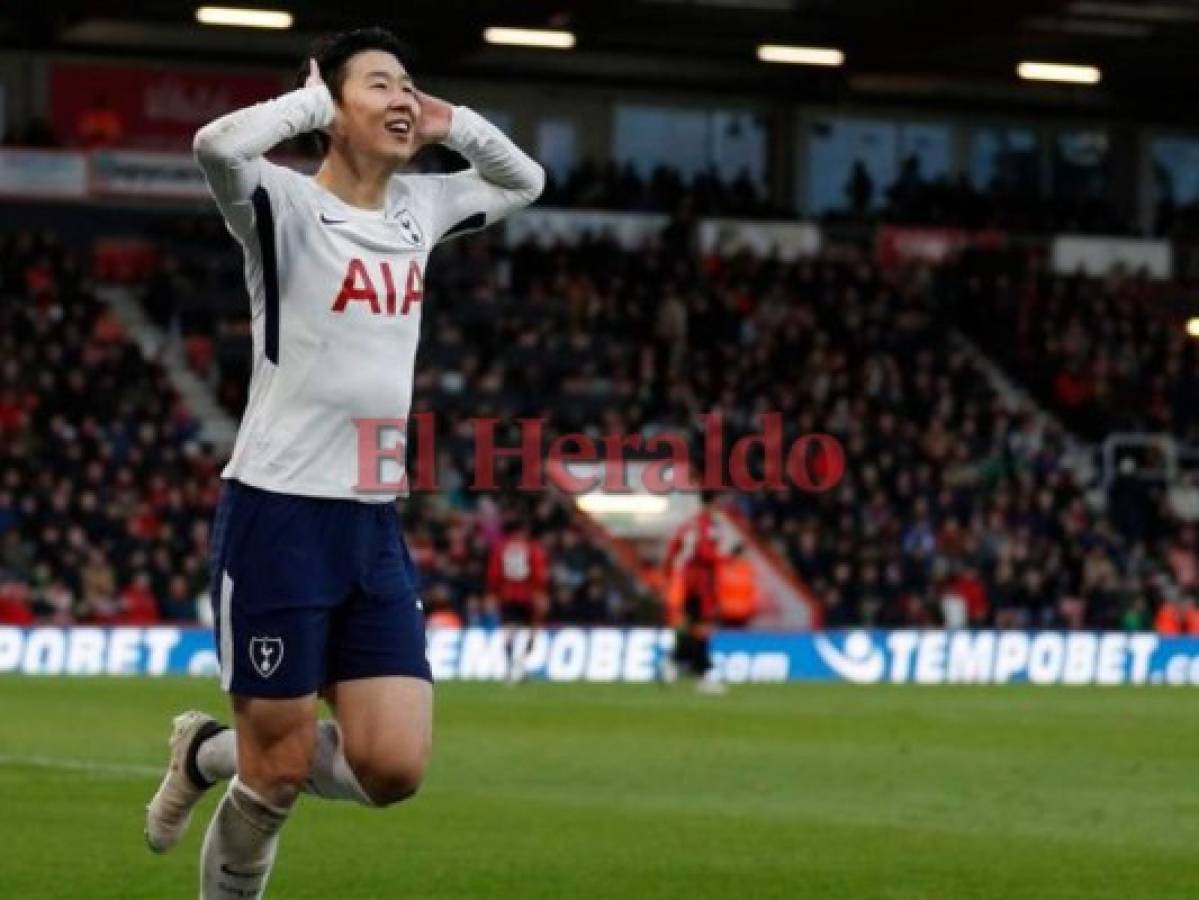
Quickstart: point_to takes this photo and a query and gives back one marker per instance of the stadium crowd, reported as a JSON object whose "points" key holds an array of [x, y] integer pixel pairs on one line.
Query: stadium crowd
{"points": [[1008, 203], [617, 187], [961, 498], [954, 509], [1108, 354], [1013, 201], [106, 494]]}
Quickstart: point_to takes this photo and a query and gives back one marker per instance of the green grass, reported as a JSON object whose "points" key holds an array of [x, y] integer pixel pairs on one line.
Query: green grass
{"points": [[622, 792]]}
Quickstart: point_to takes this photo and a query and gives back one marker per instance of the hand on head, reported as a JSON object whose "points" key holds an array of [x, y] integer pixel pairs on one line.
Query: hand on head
{"points": [[314, 75], [314, 79], [433, 126]]}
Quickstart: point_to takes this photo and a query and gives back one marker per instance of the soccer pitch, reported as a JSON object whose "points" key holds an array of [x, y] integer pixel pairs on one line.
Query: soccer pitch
{"points": [[590, 791]]}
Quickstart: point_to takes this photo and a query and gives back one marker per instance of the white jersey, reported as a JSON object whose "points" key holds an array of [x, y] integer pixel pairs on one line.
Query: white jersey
{"points": [[336, 291]]}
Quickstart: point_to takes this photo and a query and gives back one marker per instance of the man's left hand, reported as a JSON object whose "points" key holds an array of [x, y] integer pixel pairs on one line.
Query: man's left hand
{"points": [[436, 115]]}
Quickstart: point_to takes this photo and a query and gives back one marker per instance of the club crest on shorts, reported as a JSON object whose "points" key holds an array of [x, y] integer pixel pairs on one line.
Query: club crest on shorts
{"points": [[266, 653], [405, 224]]}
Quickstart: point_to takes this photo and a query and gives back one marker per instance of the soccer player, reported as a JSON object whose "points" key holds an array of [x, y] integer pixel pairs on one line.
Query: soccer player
{"points": [[695, 549], [314, 592], [518, 574]]}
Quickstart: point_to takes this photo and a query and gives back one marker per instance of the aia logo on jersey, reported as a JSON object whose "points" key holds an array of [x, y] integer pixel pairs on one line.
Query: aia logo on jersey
{"points": [[358, 286], [404, 224]]}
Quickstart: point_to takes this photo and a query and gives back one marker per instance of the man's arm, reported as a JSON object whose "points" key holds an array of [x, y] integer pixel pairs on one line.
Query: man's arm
{"points": [[230, 148], [502, 178]]}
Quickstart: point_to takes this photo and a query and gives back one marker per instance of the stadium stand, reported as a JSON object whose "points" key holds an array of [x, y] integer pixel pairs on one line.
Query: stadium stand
{"points": [[957, 508], [106, 494], [1107, 354], [958, 202], [611, 186], [964, 511]]}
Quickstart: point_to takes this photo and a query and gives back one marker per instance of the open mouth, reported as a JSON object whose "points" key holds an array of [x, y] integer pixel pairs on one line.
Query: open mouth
{"points": [[399, 127]]}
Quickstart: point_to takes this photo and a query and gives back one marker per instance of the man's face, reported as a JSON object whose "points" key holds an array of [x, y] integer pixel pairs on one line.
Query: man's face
{"points": [[379, 109]]}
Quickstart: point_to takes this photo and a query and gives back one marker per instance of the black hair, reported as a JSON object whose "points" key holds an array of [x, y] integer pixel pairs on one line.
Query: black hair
{"points": [[333, 51]]}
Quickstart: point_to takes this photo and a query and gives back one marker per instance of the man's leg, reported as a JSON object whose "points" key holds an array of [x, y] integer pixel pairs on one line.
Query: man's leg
{"points": [[379, 684], [275, 742], [332, 776], [203, 752], [519, 621], [385, 727], [376, 751]]}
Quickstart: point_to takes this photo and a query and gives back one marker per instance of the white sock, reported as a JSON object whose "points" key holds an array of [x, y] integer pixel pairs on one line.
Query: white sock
{"points": [[216, 758], [520, 649], [239, 848], [331, 776]]}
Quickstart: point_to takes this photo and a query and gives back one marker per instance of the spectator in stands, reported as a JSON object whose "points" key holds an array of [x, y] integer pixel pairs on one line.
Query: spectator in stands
{"points": [[179, 602], [14, 605], [671, 333], [906, 191], [483, 613], [99, 588], [99, 125], [1184, 560], [440, 612], [1005, 596], [138, 605], [859, 189], [736, 588], [53, 600], [1136, 616], [964, 599], [1177, 614]]}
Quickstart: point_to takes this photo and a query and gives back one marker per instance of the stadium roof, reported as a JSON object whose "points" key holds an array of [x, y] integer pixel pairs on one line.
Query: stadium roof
{"points": [[934, 51]]}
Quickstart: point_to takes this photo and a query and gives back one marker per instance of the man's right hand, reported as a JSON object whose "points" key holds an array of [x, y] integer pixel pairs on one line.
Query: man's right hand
{"points": [[314, 80]]}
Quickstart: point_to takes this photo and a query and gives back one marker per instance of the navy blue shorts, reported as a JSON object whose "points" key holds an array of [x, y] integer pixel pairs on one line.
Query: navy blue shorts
{"points": [[308, 592]]}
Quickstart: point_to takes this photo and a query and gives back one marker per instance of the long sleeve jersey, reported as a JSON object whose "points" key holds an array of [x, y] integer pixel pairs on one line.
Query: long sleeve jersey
{"points": [[336, 291]]}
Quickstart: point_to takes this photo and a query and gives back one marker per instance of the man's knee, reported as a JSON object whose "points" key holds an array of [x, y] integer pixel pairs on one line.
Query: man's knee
{"points": [[274, 754], [279, 774], [391, 775]]}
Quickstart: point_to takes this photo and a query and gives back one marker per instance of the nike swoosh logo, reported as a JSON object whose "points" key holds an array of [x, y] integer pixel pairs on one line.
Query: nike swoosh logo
{"points": [[329, 221], [236, 874]]}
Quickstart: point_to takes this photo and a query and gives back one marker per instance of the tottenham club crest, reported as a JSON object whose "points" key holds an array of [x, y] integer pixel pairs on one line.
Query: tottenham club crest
{"points": [[406, 226], [266, 653]]}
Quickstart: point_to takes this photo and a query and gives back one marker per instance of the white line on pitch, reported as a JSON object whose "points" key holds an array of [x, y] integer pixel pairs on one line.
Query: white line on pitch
{"points": [[80, 765]]}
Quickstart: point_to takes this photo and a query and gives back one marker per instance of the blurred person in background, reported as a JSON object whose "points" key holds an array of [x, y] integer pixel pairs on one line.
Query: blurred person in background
{"points": [[1177, 614], [179, 602], [518, 575], [439, 610], [736, 588], [518, 578], [694, 554], [99, 125], [1136, 617], [14, 605], [964, 599]]}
